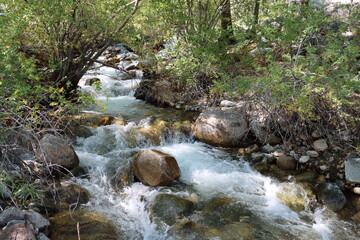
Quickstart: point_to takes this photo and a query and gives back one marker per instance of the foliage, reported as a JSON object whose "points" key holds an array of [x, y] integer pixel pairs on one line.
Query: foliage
{"points": [[21, 190]]}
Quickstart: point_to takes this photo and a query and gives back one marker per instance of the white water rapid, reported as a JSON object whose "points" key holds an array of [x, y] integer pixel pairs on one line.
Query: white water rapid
{"points": [[207, 173]]}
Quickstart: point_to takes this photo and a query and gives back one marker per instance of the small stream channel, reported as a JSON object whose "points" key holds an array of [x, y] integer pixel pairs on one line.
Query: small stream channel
{"points": [[208, 174]]}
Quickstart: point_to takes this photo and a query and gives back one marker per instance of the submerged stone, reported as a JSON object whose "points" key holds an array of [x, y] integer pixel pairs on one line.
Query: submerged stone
{"points": [[170, 208]]}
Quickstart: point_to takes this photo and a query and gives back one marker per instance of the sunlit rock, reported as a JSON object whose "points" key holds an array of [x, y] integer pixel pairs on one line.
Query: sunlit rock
{"points": [[153, 131], [320, 145], [296, 196], [226, 128], [55, 150], [155, 168]]}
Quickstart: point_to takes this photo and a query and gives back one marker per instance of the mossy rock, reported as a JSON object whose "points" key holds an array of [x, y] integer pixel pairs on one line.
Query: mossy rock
{"points": [[232, 231], [92, 226], [170, 208], [69, 196], [296, 196], [222, 210], [154, 131]]}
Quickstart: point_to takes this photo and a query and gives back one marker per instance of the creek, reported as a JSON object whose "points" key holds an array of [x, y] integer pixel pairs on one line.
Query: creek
{"points": [[207, 173]]}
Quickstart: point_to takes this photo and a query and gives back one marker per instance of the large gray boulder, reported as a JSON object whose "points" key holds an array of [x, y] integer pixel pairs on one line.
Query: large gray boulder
{"points": [[155, 168], [226, 128], [57, 151], [331, 195]]}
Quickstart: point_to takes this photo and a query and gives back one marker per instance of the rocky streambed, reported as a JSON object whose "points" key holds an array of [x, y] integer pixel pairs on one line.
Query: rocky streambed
{"points": [[144, 172]]}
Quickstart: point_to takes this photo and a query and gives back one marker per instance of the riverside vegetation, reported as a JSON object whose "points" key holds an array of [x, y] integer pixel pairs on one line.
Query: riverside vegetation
{"points": [[276, 82]]}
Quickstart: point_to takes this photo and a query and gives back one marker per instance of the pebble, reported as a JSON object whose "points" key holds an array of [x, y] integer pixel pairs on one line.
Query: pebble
{"points": [[304, 159], [320, 145], [312, 154], [356, 190]]}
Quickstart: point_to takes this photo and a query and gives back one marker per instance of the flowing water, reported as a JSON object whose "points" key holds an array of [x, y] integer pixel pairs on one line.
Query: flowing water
{"points": [[207, 173]]}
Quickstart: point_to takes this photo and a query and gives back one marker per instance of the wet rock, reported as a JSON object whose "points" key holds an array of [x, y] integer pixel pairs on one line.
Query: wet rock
{"points": [[13, 213], [18, 232], [352, 170], [312, 154], [79, 171], [112, 60], [56, 150], [154, 131], [331, 195], [92, 226], [225, 128], [104, 121], [91, 81], [155, 168], [119, 120], [236, 230], [286, 162], [320, 145], [83, 131], [248, 150], [296, 196], [304, 159], [267, 148], [305, 176], [170, 208]]}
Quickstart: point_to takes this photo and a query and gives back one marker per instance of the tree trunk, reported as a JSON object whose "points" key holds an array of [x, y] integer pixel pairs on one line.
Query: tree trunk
{"points": [[255, 18], [226, 23]]}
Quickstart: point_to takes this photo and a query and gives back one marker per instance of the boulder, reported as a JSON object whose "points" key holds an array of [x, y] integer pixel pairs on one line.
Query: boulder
{"points": [[155, 168], [227, 128], [170, 208], [352, 170], [104, 121], [55, 150], [18, 232], [83, 131], [13, 213], [320, 145], [286, 162], [158, 93], [91, 225], [331, 195]]}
